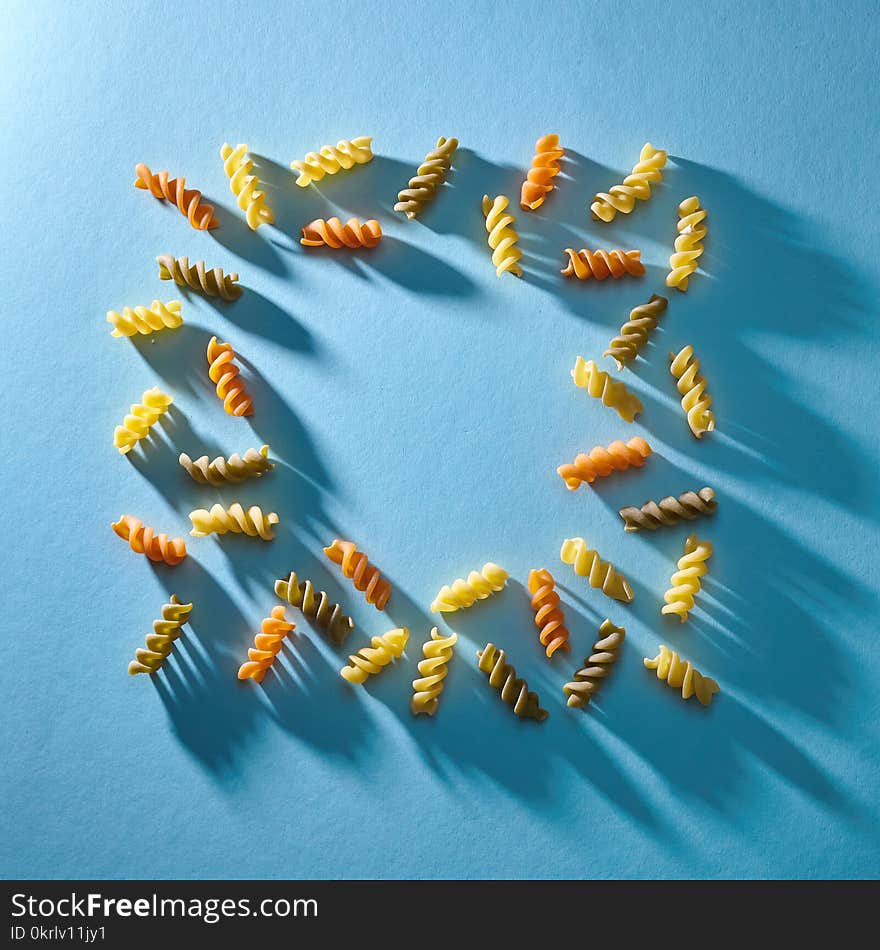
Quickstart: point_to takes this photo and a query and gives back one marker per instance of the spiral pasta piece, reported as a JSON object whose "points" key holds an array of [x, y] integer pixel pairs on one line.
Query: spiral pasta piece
{"points": [[681, 673], [356, 566], [187, 200], [144, 540], [545, 167], [686, 580], [160, 642], [224, 373], [432, 671], [245, 186], [668, 511], [141, 418], [634, 333], [317, 607], [463, 593], [613, 393], [689, 243], [267, 645], [597, 666], [213, 282], [145, 320], [549, 617], [234, 519], [431, 174], [587, 563], [502, 235], [333, 233], [602, 461], [332, 159], [636, 185], [694, 399], [515, 692], [585, 264], [371, 660], [236, 468]]}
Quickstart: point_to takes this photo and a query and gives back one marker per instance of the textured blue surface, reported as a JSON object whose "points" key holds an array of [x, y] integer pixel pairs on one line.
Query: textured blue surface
{"points": [[420, 407]]}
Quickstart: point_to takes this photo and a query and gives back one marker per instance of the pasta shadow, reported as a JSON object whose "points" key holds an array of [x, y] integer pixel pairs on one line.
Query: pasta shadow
{"points": [[260, 315]]}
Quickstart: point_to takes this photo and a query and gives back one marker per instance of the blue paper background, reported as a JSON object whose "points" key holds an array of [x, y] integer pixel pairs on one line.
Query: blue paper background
{"points": [[420, 407]]}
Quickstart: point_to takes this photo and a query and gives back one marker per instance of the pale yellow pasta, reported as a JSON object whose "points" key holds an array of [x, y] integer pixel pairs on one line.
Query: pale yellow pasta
{"points": [[145, 320], [587, 563], [332, 159], [463, 593], [587, 375], [681, 673], [235, 519], [694, 399], [432, 671], [502, 235], [636, 185], [245, 186], [141, 418], [253, 464], [371, 660], [689, 243], [686, 580]]}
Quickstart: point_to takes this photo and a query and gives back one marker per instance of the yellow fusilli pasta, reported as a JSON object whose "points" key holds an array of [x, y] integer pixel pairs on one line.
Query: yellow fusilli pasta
{"points": [[236, 468], [432, 671], [245, 186], [634, 333], [636, 185], [689, 243], [145, 320], [597, 666], [686, 580], [317, 607], [142, 417], [515, 692], [463, 593], [235, 519], [587, 563], [160, 642], [213, 282], [332, 159], [371, 660], [430, 176], [680, 673], [587, 375], [502, 235], [694, 399]]}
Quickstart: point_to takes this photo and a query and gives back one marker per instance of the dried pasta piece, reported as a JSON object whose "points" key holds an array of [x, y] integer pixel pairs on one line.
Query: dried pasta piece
{"points": [[141, 418], [235, 519], [332, 159], [356, 566], [545, 167], [245, 186], [549, 617], [602, 461], [597, 666], [432, 671], [515, 692], [224, 373], [585, 264], [333, 233], [187, 200], [634, 333], [213, 282], [636, 185], [431, 174], [613, 393], [694, 399], [587, 563], [681, 673], [668, 511], [317, 607], [236, 468], [145, 320], [502, 235], [144, 540], [686, 580], [371, 660], [160, 642], [267, 645], [463, 593], [689, 243]]}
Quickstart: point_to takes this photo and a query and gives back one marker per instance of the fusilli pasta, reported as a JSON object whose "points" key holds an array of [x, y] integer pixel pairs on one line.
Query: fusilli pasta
{"points": [[463, 593], [245, 186], [370, 660], [545, 167], [602, 461], [549, 617], [515, 692], [267, 645], [686, 580], [597, 666], [333, 233], [144, 540], [689, 243], [356, 566], [669, 510], [160, 642], [236, 468], [235, 519], [634, 333], [332, 159], [213, 282], [224, 373], [587, 563], [145, 320], [502, 235], [586, 264], [432, 671], [681, 673], [636, 185], [431, 174], [613, 393], [141, 418], [694, 399], [187, 200], [317, 607]]}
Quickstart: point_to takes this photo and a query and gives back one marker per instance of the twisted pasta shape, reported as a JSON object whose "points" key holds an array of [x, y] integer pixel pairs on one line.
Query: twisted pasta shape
{"points": [[689, 243], [432, 671], [603, 461], [141, 418], [160, 642], [634, 333], [587, 563], [236, 468], [545, 167], [678, 672], [187, 200], [267, 645], [144, 540], [332, 159], [370, 660], [514, 692], [502, 236], [333, 233], [694, 399], [669, 510], [600, 264], [145, 320], [597, 666], [548, 614], [587, 375], [636, 185], [245, 186], [430, 176], [224, 374], [356, 566], [213, 282], [463, 593], [319, 609], [686, 580], [222, 520]]}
